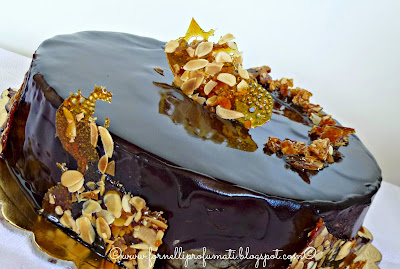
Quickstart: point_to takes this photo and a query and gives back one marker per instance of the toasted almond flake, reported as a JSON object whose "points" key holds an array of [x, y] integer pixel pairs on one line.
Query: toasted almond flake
{"points": [[90, 207], [201, 100], [203, 49], [188, 86], [94, 134], [111, 168], [190, 51], [330, 150], [129, 220], [176, 68], [315, 118], [171, 46], [140, 246], [199, 78], [195, 64], [126, 206], [77, 186], [227, 79], [344, 251], [223, 57], [67, 221], [213, 68], [177, 81], [102, 228], [212, 100], [59, 210], [113, 203], [91, 185], [102, 165], [232, 45], [138, 216], [106, 215], [209, 86], [225, 38], [185, 76], [194, 96], [80, 116], [137, 202], [242, 85], [365, 233], [148, 259], [243, 72], [51, 199], [160, 235], [157, 222], [87, 232], [228, 114], [107, 141], [147, 235]]}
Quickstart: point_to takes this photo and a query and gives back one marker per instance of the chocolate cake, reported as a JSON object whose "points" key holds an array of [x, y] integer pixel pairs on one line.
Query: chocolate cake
{"points": [[208, 178]]}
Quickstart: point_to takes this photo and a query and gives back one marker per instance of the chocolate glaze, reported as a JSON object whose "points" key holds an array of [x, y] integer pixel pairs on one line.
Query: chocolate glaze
{"points": [[212, 194]]}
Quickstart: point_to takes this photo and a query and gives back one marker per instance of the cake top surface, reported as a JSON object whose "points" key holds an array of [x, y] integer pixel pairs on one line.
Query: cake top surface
{"points": [[168, 124]]}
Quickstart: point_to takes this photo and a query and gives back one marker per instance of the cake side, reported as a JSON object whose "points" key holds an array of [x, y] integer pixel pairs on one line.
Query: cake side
{"points": [[235, 215]]}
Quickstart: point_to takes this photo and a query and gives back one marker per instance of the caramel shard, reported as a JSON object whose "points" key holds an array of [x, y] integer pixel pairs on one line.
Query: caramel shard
{"points": [[107, 141]]}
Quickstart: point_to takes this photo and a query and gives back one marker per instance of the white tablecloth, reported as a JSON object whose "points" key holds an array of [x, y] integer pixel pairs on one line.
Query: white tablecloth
{"points": [[16, 251]]}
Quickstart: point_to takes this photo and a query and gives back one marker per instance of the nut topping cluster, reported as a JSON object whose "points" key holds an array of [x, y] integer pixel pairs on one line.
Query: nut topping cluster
{"points": [[100, 211], [327, 252], [212, 75]]}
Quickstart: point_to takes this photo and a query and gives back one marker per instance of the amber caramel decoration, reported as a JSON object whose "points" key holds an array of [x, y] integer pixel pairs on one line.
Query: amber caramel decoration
{"points": [[212, 75], [73, 125]]}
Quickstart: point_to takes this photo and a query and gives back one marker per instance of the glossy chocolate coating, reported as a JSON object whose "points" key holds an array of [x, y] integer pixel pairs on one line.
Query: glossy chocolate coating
{"points": [[212, 195]]}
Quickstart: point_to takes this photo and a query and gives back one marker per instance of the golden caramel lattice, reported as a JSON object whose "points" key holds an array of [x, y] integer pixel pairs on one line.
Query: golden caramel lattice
{"points": [[212, 75]]}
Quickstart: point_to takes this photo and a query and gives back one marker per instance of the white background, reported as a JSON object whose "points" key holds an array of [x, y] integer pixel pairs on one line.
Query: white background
{"points": [[345, 52]]}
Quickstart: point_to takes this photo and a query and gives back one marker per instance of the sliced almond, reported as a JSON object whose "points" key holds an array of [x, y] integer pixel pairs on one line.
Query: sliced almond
{"points": [[315, 118], [119, 222], [227, 79], [203, 49], [185, 76], [147, 260], [90, 207], [106, 215], [243, 72], [67, 221], [140, 246], [188, 86], [79, 116], [102, 165], [87, 232], [177, 81], [59, 210], [129, 220], [232, 45], [195, 64], [228, 114], [138, 216], [102, 228], [126, 206], [344, 251], [91, 185], [199, 78], [201, 100], [94, 134], [176, 68], [242, 85], [190, 51], [157, 222], [137, 202], [213, 68], [76, 187], [51, 199], [209, 86], [113, 203], [147, 235], [225, 38], [171, 46], [212, 100], [107, 141], [223, 57], [160, 235], [111, 168]]}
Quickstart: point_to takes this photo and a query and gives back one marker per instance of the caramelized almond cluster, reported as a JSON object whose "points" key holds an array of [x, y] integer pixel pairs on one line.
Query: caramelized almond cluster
{"points": [[312, 157], [100, 211], [212, 75], [323, 250]]}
